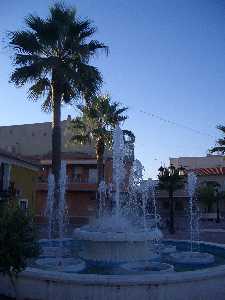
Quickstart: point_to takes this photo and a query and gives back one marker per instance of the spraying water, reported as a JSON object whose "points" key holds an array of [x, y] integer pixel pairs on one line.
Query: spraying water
{"points": [[193, 209], [62, 214], [118, 166], [63, 210], [49, 206]]}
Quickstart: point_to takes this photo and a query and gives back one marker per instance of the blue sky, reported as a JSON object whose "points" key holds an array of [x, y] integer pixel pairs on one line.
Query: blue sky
{"points": [[166, 58]]}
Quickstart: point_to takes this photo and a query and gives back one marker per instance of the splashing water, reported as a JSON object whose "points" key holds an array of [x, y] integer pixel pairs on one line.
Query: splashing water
{"points": [[193, 209], [104, 197], [49, 206], [63, 210], [62, 213], [118, 166]]}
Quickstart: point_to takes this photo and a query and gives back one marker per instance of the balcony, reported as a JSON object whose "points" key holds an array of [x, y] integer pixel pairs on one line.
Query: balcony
{"points": [[79, 183]]}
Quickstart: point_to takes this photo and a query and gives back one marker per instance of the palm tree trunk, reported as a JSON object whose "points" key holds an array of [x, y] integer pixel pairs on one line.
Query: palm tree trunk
{"points": [[100, 149], [171, 201], [56, 157]]}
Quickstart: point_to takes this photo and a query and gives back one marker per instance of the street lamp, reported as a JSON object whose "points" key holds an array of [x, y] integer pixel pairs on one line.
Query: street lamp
{"points": [[171, 170], [181, 171], [161, 171]]}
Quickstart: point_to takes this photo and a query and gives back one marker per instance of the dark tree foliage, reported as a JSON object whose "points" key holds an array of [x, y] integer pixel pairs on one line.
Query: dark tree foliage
{"points": [[95, 126], [220, 143], [17, 240], [53, 56], [170, 182]]}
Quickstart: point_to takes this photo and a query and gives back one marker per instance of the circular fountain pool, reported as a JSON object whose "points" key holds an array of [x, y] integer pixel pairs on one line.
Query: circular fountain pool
{"points": [[144, 281]]}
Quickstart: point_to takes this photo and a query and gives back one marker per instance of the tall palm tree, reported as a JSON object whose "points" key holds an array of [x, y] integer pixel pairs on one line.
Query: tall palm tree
{"points": [[53, 56], [171, 179], [220, 143], [95, 126]]}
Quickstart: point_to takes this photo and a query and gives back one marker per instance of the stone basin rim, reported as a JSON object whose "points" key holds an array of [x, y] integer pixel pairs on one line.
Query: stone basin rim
{"points": [[126, 280], [117, 236]]}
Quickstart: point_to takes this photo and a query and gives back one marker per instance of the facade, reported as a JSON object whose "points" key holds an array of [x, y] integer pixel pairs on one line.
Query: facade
{"points": [[80, 189], [210, 168], [35, 139], [33, 142], [18, 179]]}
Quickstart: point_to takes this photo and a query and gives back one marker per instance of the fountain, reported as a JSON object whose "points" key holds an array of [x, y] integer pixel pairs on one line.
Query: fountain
{"points": [[121, 236], [193, 257], [54, 253], [122, 253]]}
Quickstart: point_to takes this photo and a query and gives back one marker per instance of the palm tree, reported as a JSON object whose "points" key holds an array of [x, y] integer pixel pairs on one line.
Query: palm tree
{"points": [[206, 195], [95, 126], [220, 143], [53, 56], [171, 179], [209, 193]]}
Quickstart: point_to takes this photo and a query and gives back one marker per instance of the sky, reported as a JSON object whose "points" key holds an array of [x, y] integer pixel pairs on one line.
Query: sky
{"points": [[166, 63]]}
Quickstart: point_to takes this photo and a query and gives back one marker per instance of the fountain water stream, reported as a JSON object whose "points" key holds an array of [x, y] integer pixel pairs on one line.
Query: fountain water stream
{"points": [[122, 235], [193, 257]]}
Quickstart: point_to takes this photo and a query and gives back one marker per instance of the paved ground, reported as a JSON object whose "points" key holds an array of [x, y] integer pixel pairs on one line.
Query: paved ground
{"points": [[210, 231]]}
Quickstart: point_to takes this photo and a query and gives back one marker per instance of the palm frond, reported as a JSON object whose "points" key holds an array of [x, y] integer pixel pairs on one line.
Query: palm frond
{"points": [[39, 89], [27, 74], [62, 43], [47, 104], [24, 42]]}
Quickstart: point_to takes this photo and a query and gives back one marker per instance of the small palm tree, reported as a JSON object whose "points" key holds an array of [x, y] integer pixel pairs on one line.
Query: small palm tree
{"points": [[171, 179], [220, 143], [207, 193], [53, 56], [210, 193], [95, 126]]}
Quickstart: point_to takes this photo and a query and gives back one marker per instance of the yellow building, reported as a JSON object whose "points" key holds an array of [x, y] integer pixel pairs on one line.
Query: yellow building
{"points": [[18, 178]]}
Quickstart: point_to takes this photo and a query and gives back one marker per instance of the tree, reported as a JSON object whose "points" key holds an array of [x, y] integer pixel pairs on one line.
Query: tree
{"points": [[95, 126], [53, 56], [18, 241], [210, 193], [220, 143], [171, 179], [206, 195]]}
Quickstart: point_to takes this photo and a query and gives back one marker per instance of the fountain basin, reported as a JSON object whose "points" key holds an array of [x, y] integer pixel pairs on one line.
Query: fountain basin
{"points": [[114, 248], [192, 258], [61, 264], [168, 250], [39, 284], [148, 267]]}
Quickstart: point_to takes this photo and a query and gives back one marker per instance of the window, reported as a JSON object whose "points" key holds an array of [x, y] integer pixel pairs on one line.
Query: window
{"points": [[23, 203], [77, 173], [92, 176]]}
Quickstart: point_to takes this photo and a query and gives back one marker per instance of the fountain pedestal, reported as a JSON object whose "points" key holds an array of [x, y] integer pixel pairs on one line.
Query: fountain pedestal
{"points": [[114, 248]]}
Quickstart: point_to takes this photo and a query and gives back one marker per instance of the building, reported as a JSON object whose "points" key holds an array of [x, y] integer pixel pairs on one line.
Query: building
{"points": [[80, 189], [33, 142], [30, 140], [207, 168], [210, 168], [18, 179]]}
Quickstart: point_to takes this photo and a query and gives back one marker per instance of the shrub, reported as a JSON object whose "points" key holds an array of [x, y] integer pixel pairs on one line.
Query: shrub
{"points": [[17, 240]]}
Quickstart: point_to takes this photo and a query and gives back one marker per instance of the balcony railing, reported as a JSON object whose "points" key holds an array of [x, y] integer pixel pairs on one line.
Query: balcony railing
{"points": [[72, 179], [73, 184]]}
